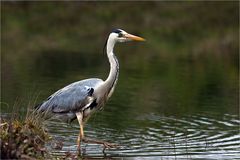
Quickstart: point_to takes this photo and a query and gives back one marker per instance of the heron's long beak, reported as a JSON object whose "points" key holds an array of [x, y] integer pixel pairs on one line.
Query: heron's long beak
{"points": [[133, 37]]}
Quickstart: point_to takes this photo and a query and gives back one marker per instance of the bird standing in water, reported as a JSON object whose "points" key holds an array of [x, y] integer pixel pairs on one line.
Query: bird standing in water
{"points": [[82, 98]]}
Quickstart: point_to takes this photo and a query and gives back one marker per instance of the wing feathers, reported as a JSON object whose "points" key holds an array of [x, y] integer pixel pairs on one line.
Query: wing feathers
{"points": [[72, 98]]}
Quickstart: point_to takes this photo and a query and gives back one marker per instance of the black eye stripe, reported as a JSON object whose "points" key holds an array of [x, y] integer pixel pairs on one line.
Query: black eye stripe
{"points": [[120, 35]]}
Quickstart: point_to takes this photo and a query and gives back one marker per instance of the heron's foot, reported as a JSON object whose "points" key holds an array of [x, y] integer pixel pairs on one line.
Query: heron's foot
{"points": [[105, 144], [110, 145]]}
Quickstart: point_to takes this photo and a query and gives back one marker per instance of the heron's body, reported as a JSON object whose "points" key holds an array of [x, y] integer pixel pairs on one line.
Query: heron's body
{"points": [[76, 97], [81, 99]]}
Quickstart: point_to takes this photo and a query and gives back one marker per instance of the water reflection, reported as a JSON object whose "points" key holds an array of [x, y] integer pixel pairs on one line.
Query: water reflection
{"points": [[192, 136], [189, 110], [177, 94]]}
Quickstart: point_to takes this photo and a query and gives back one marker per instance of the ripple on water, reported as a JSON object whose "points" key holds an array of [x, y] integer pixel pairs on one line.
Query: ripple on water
{"points": [[191, 136]]}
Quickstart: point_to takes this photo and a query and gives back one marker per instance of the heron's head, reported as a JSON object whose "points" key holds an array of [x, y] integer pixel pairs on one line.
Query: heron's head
{"points": [[122, 36]]}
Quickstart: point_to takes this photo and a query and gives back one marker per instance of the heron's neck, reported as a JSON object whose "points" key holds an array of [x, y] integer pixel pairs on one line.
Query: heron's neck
{"points": [[111, 81]]}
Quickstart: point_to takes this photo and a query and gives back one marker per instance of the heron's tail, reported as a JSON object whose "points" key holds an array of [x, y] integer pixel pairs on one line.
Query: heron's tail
{"points": [[38, 106]]}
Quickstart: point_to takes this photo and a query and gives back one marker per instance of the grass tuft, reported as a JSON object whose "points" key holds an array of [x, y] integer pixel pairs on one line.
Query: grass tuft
{"points": [[23, 139]]}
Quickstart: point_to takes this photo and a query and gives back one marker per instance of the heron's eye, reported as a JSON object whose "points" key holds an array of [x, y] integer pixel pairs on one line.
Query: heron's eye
{"points": [[120, 34]]}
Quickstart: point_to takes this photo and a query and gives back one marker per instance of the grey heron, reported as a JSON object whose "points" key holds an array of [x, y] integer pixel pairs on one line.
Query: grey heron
{"points": [[79, 100]]}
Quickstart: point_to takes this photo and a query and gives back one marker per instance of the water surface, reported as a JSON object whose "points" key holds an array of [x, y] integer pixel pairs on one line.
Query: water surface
{"points": [[154, 114], [177, 95]]}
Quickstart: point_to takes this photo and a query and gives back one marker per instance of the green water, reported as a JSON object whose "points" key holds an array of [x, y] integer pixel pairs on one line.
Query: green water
{"points": [[177, 95]]}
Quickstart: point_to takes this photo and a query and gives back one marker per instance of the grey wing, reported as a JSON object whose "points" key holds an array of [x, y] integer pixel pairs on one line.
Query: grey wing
{"points": [[71, 98]]}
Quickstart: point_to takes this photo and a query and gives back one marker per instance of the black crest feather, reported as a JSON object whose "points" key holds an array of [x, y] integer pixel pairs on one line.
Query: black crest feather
{"points": [[116, 31]]}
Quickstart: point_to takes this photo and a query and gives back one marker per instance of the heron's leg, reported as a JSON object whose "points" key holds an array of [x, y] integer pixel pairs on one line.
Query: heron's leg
{"points": [[81, 134], [86, 140]]}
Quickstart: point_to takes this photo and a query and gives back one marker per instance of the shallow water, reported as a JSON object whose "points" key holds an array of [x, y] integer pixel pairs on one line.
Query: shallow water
{"points": [[155, 114], [177, 95], [203, 135]]}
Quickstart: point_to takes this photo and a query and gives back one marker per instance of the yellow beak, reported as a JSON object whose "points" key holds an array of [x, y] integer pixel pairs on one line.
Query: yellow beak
{"points": [[133, 37]]}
